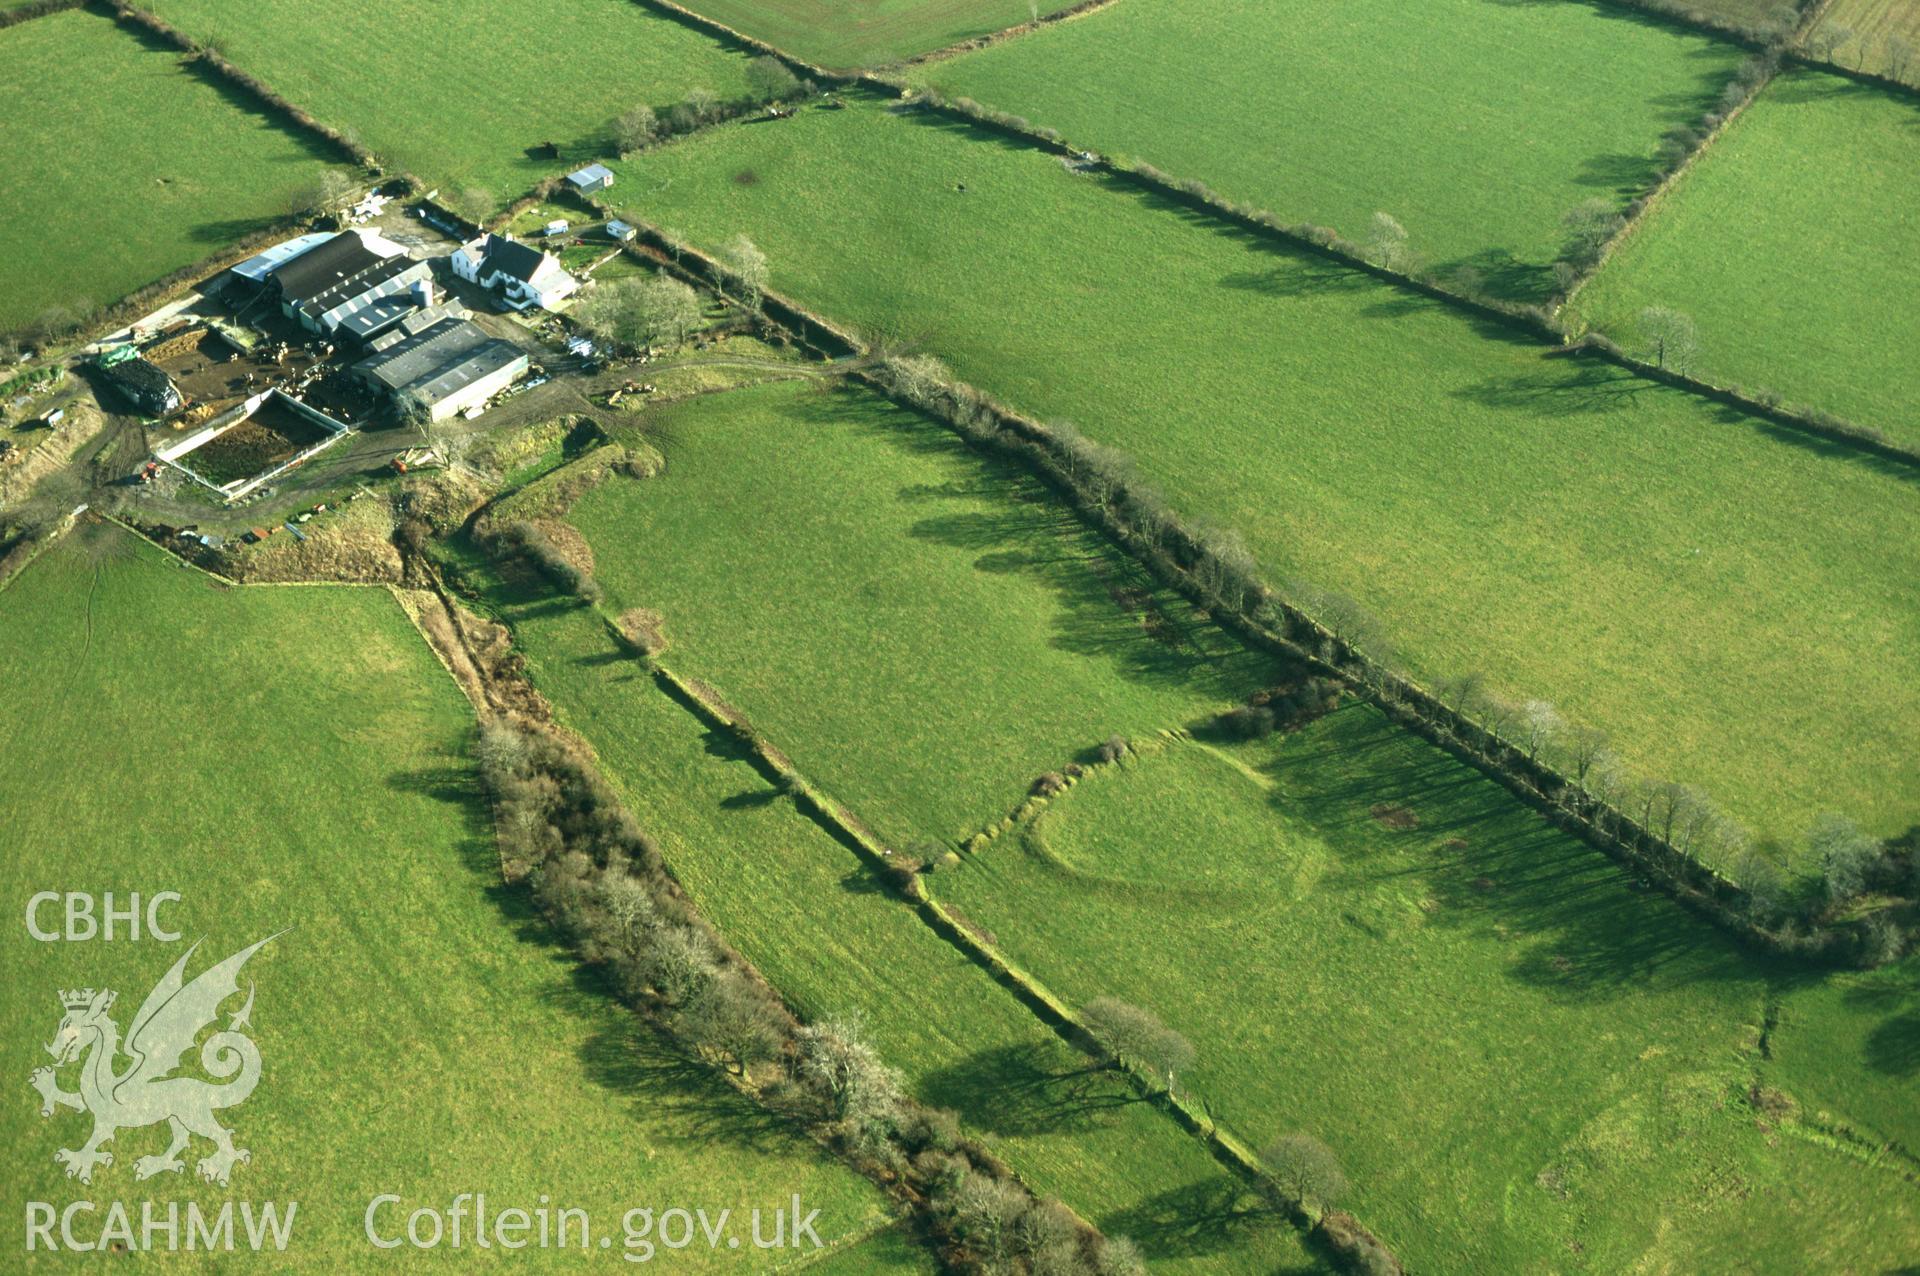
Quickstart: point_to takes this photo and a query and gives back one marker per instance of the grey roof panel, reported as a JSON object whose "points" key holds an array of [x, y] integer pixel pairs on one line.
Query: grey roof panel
{"points": [[323, 267], [440, 360]]}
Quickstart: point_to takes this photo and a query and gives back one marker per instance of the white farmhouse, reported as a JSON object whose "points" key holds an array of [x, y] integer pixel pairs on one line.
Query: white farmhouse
{"points": [[522, 275]]}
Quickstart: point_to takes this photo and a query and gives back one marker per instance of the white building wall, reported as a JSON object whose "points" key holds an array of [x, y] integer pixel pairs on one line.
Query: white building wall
{"points": [[480, 391]]}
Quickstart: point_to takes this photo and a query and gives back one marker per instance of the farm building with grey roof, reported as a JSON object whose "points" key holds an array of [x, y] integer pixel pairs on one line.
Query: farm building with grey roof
{"points": [[452, 366]]}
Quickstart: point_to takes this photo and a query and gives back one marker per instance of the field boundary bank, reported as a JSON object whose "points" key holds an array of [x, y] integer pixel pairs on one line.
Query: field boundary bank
{"points": [[1528, 320], [1654, 198], [23, 553], [715, 29], [285, 114], [708, 706], [1872, 79], [275, 104], [1175, 554], [900, 1187], [960, 48], [295, 118], [43, 9]]}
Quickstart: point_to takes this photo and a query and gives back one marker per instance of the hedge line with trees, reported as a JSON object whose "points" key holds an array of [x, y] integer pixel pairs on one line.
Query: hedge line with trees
{"points": [[210, 54], [1128, 1039], [1671, 832], [769, 81], [600, 880], [1387, 253]]}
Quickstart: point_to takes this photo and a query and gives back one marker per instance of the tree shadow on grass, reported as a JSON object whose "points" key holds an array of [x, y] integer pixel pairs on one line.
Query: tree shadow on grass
{"points": [[1893, 1045], [1025, 1089], [450, 783], [1208, 1216], [1106, 606], [1304, 278], [1581, 928], [750, 799], [1587, 386], [1561, 391], [1503, 275], [677, 1096], [230, 230]]}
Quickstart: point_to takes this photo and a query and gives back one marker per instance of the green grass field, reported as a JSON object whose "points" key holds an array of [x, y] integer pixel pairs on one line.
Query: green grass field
{"points": [[1517, 1055], [150, 169], [1813, 297], [458, 97], [1656, 567], [834, 34], [888, 1253], [805, 910], [1476, 123], [294, 757], [945, 630]]}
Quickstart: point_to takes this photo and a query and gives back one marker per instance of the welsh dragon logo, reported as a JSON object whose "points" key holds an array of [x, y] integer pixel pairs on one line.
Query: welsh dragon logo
{"points": [[145, 1091]]}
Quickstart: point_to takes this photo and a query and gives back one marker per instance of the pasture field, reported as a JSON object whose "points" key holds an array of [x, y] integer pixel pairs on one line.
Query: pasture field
{"points": [[166, 165], [830, 33], [1640, 558], [1733, 243], [459, 98], [1880, 30], [888, 1253], [295, 758], [1516, 1054], [1476, 123], [1849, 1050], [805, 910], [945, 629]]}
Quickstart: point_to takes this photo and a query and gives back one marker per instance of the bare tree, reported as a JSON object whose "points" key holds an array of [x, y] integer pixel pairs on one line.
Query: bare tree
{"points": [[918, 377], [669, 311], [1826, 38], [633, 129], [1128, 1033], [412, 408], [769, 80], [839, 1064], [1119, 1257], [633, 312], [1585, 748], [608, 313], [329, 192], [703, 105], [1540, 727], [985, 1212], [1387, 242], [1588, 227], [1306, 1169], [745, 267], [1897, 53], [1844, 853], [736, 1021], [1759, 875], [1669, 336]]}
